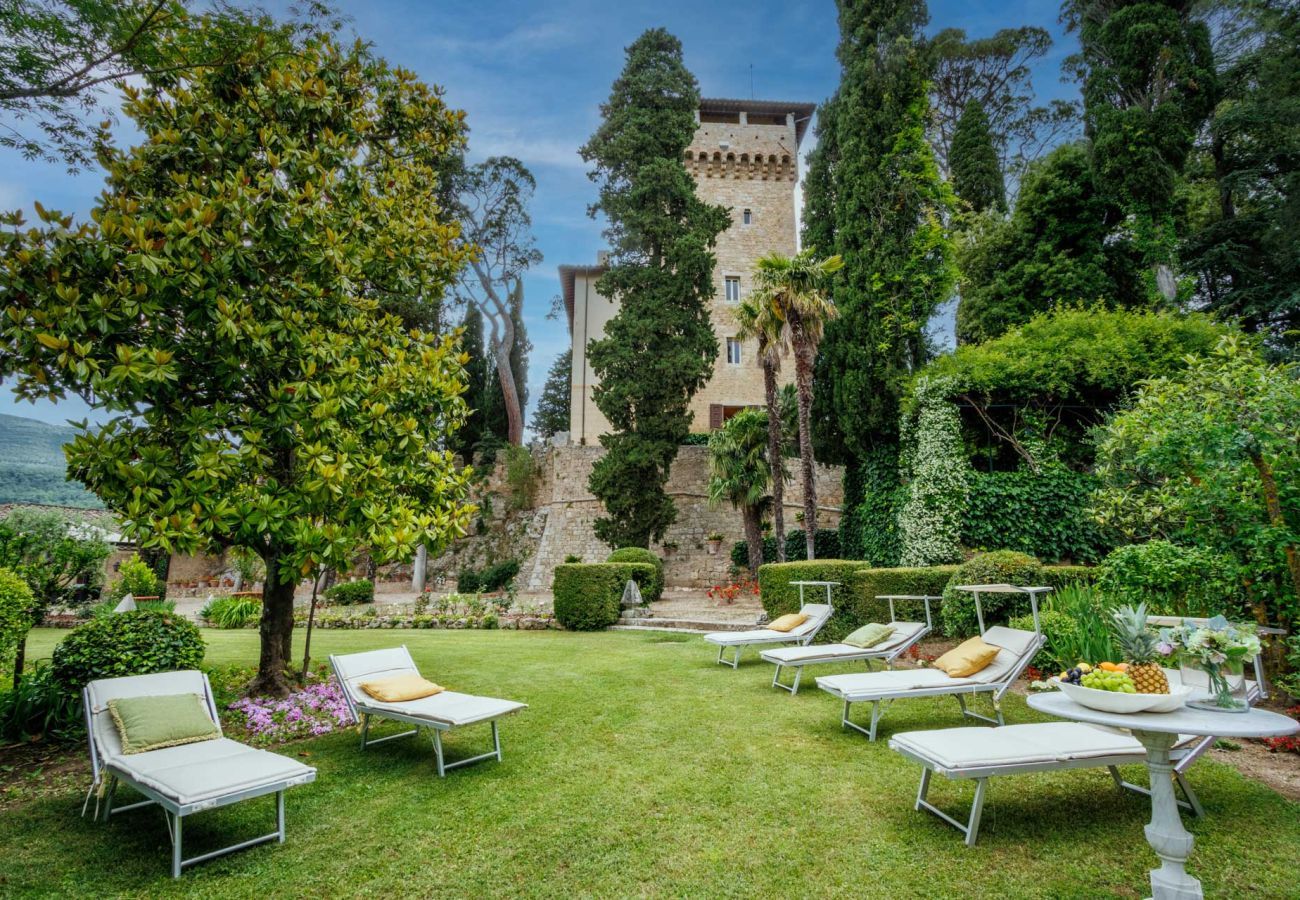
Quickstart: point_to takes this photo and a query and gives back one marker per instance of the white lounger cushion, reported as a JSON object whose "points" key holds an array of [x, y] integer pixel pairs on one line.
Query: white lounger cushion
{"points": [[793, 656], [1014, 643], [450, 707], [954, 750], [817, 614], [209, 770], [872, 684]]}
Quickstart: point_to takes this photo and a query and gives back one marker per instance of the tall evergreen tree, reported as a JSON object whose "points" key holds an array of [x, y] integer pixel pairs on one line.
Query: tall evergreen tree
{"points": [[1148, 84], [477, 364], [875, 198], [552, 413], [976, 171], [659, 348]]}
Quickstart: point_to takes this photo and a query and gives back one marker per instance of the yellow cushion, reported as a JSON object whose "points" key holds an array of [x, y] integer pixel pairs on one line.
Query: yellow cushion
{"points": [[967, 658], [400, 688], [787, 622]]}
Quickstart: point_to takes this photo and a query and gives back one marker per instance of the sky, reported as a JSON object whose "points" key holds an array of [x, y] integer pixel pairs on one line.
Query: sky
{"points": [[531, 77]]}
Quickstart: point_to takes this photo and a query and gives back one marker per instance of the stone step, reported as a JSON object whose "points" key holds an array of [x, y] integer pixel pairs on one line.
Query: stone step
{"points": [[629, 623]]}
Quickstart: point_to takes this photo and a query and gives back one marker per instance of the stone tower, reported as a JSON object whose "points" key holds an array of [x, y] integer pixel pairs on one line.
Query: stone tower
{"points": [[744, 156]]}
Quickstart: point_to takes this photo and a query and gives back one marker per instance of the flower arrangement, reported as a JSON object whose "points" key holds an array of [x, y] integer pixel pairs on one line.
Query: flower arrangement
{"points": [[1218, 648]]}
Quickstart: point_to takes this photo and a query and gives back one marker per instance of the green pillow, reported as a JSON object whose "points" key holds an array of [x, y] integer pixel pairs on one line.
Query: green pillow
{"points": [[166, 720], [869, 635]]}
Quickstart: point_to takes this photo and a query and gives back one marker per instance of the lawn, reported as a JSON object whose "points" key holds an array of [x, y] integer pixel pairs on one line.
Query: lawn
{"points": [[642, 768]]}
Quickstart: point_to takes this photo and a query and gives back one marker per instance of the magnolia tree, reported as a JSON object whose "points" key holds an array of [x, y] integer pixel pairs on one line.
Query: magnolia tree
{"points": [[224, 308]]}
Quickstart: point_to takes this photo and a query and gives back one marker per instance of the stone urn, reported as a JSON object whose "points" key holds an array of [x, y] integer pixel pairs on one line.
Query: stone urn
{"points": [[714, 543]]}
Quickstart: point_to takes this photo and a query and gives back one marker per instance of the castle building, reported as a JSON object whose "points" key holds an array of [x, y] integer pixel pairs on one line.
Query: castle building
{"points": [[744, 156]]}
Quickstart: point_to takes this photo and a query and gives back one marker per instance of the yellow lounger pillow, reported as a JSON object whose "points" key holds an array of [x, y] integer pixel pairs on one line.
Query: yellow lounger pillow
{"points": [[400, 688], [787, 622], [967, 658]]}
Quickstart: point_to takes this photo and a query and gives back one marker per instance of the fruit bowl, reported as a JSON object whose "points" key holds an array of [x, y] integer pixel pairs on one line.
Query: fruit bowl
{"points": [[1117, 702]]}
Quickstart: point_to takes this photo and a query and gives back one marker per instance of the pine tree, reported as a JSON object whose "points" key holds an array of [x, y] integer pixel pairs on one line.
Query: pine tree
{"points": [[976, 172], [552, 413], [659, 348]]}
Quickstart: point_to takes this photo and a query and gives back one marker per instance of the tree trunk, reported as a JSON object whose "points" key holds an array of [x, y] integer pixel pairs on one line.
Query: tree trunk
{"points": [[753, 536], [509, 393], [803, 386], [311, 620], [276, 628], [774, 457], [20, 660], [1273, 505]]}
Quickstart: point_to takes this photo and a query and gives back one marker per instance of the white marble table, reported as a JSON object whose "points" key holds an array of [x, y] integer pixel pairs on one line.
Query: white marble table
{"points": [[826, 584], [1158, 732]]}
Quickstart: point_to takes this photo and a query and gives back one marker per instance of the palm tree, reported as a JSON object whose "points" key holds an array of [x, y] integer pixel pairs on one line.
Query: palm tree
{"points": [[757, 318], [739, 473], [793, 287]]}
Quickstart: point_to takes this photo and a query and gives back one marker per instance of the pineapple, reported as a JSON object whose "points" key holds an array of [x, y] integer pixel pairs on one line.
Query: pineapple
{"points": [[1139, 648]]}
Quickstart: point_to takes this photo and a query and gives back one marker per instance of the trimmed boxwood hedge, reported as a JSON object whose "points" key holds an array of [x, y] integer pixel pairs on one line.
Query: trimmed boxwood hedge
{"points": [[655, 589], [587, 595], [780, 597], [868, 584], [347, 593], [129, 643]]}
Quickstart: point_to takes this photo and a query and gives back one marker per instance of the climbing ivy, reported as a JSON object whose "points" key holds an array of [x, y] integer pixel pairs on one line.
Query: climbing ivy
{"points": [[938, 478]]}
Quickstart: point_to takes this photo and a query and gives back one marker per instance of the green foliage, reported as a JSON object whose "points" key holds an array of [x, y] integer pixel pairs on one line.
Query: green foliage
{"points": [[1056, 250], [33, 468], [478, 364], [873, 495], [995, 567], [496, 577], [231, 323], [1209, 457], [348, 593], [973, 162], [588, 595], [1243, 244], [38, 708], [1058, 578], [937, 475], [521, 476], [131, 643], [60, 557], [659, 348], [874, 196], [1172, 580], [741, 474], [232, 612], [1076, 621], [137, 578], [796, 547], [779, 596], [1148, 83], [865, 585], [552, 414], [654, 589], [17, 605], [1045, 514]]}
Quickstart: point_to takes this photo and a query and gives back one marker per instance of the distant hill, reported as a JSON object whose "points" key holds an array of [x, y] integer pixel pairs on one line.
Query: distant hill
{"points": [[33, 468]]}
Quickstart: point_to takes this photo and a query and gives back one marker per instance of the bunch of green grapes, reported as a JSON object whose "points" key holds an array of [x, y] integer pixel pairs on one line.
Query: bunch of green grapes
{"points": [[1101, 680]]}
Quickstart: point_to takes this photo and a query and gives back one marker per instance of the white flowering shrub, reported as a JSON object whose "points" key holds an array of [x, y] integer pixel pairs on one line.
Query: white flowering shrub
{"points": [[938, 478]]}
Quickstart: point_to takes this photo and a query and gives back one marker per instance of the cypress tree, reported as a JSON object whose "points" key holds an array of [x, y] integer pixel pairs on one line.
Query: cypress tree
{"points": [[976, 172], [659, 348], [552, 414], [475, 396]]}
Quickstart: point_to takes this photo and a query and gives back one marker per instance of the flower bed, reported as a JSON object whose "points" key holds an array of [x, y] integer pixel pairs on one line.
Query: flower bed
{"points": [[315, 709], [728, 592]]}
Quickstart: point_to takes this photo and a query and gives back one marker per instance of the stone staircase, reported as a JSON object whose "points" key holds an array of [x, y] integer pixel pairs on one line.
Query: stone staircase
{"points": [[689, 612]]}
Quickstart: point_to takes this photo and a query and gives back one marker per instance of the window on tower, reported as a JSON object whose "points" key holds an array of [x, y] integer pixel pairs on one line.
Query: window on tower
{"points": [[732, 283], [733, 352], [748, 217]]}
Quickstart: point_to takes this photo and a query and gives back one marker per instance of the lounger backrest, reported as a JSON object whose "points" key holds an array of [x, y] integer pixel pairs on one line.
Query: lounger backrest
{"points": [[353, 668], [104, 739], [817, 613], [1018, 647]]}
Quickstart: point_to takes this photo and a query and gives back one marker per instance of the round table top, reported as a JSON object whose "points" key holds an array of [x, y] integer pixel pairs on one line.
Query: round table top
{"points": [[1256, 723]]}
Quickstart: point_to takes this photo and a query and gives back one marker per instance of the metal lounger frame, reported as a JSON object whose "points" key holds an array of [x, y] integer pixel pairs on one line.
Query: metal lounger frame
{"points": [[802, 640], [363, 714], [174, 812], [886, 656]]}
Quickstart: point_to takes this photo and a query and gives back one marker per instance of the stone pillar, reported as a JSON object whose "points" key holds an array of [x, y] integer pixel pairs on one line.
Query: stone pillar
{"points": [[420, 569]]}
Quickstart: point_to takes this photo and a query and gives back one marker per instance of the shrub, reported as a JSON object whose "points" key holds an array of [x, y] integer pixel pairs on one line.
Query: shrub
{"points": [[232, 612], [1076, 622], [588, 595], [131, 643], [740, 551], [347, 593], [137, 578], [641, 555], [496, 577], [1058, 578], [17, 605], [780, 597], [39, 708], [1171, 580], [572, 558], [865, 585], [828, 547], [1044, 514], [997, 567]]}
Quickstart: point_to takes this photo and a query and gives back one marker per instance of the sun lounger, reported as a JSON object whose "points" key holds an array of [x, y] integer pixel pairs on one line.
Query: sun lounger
{"points": [[439, 713], [184, 779], [818, 615], [1017, 649], [905, 636]]}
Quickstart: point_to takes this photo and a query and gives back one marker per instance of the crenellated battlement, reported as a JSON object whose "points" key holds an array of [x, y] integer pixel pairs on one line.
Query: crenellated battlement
{"points": [[754, 166]]}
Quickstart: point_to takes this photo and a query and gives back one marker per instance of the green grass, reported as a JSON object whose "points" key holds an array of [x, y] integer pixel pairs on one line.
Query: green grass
{"points": [[642, 768]]}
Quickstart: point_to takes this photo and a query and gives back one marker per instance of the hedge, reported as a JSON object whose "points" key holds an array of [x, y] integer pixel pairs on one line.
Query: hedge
{"points": [[868, 584], [129, 643], [1057, 577], [588, 595], [346, 593], [997, 567], [796, 549], [1044, 514], [642, 555], [780, 597]]}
